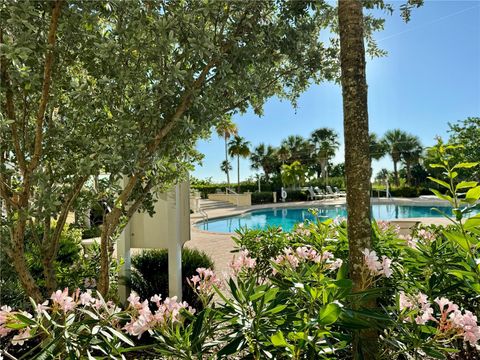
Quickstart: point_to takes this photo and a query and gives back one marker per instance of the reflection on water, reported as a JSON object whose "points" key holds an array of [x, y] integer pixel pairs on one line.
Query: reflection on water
{"points": [[288, 217]]}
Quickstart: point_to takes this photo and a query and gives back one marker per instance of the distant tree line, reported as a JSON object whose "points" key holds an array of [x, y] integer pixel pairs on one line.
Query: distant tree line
{"points": [[299, 160]]}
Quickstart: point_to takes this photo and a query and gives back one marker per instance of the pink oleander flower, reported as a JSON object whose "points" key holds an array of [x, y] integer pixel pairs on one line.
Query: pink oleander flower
{"points": [[242, 261], [326, 255], [307, 253], [21, 337], [5, 311], [426, 235], [467, 324], [167, 313], [41, 307], [63, 301], [442, 302], [205, 280], [374, 265], [134, 300], [300, 230], [411, 242], [156, 299], [371, 261], [386, 263], [427, 314], [86, 298], [90, 283], [336, 264], [5, 314], [405, 302], [287, 258]]}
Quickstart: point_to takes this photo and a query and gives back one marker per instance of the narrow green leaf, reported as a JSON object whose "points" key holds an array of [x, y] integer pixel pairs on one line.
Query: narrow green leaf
{"points": [[466, 165], [465, 185], [472, 222], [122, 337], [440, 182], [439, 195]]}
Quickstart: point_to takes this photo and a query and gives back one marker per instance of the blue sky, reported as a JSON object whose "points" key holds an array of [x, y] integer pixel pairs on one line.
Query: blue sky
{"points": [[430, 77]]}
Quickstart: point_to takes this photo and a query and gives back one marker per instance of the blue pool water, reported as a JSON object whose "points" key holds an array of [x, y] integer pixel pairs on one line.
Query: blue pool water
{"points": [[288, 217]]}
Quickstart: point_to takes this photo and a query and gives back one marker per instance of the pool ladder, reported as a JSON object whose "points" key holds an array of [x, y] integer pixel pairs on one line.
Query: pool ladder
{"points": [[204, 217]]}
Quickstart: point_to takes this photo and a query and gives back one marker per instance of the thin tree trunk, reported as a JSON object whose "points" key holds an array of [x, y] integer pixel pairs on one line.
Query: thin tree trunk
{"points": [[357, 154], [226, 159], [409, 173], [395, 172], [238, 173], [16, 255]]}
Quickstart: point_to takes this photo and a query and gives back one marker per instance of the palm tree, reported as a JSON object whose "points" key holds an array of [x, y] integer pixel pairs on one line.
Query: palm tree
{"points": [[225, 166], [283, 154], [225, 129], [394, 141], [238, 147], [263, 157], [357, 156], [293, 174], [378, 148], [298, 148], [411, 153], [326, 145]]}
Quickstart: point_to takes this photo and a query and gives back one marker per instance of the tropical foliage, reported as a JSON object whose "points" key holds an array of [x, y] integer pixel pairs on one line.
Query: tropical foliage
{"points": [[289, 296]]}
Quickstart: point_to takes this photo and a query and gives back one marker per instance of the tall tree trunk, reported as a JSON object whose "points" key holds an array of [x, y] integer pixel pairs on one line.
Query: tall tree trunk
{"points": [[357, 154], [17, 256], [226, 159], [238, 173], [409, 173], [395, 172]]}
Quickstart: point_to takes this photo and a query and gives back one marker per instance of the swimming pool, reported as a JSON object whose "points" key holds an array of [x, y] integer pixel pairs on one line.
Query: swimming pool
{"points": [[288, 217]]}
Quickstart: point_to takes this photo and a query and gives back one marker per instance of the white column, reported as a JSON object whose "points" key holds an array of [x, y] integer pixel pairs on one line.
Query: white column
{"points": [[123, 252], [175, 251]]}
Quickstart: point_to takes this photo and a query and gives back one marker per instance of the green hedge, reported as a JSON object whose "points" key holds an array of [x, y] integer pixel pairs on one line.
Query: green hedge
{"points": [[245, 187], [263, 197], [149, 274], [409, 191]]}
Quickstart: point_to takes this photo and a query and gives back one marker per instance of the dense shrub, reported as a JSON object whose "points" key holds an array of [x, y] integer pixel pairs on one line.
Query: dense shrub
{"points": [[263, 197], [91, 232], [244, 187], [66, 264], [294, 195], [149, 274], [409, 191]]}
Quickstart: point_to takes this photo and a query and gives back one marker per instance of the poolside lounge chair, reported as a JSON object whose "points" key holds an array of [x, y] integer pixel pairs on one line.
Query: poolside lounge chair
{"points": [[340, 193], [312, 196], [330, 191], [322, 193]]}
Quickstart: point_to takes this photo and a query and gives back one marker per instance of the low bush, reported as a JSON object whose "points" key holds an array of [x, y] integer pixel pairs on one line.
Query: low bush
{"points": [[263, 197], [294, 195], [244, 187], [409, 191], [149, 274], [66, 265]]}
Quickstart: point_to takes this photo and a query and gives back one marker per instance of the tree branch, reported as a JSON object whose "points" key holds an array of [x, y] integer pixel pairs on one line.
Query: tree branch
{"points": [[47, 75], [10, 109], [53, 246]]}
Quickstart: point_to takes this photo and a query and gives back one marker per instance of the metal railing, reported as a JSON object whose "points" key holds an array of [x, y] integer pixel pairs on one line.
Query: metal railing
{"points": [[230, 191], [204, 218]]}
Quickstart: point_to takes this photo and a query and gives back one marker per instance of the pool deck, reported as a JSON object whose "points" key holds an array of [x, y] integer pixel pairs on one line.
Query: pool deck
{"points": [[219, 245]]}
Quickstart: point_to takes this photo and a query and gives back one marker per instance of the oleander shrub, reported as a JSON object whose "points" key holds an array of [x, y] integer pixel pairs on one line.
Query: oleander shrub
{"points": [[149, 273]]}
